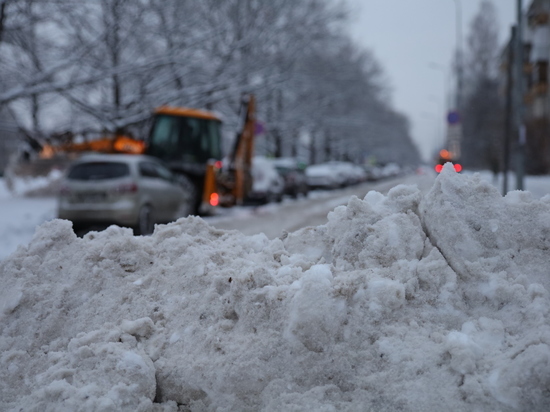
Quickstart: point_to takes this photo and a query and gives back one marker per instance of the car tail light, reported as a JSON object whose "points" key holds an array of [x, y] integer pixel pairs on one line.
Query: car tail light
{"points": [[214, 199], [218, 164], [127, 188], [457, 166]]}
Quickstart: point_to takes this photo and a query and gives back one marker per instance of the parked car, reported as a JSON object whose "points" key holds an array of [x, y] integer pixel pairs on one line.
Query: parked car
{"points": [[391, 170], [293, 173], [268, 185], [129, 190], [322, 176], [348, 173], [373, 172], [334, 174]]}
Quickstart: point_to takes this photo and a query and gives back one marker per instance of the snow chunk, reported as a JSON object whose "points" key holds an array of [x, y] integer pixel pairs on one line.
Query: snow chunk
{"points": [[9, 300], [308, 322], [140, 328], [94, 374]]}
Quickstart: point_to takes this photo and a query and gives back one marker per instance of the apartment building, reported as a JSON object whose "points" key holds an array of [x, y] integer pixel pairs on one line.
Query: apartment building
{"points": [[537, 92]]}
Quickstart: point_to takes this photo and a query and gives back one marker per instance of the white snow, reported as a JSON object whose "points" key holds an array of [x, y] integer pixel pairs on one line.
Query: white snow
{"points": [[19, 217], [34, 185], [405, 302]]}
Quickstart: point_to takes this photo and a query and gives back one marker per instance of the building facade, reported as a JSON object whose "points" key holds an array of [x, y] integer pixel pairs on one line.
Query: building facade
{"points": [[537, 92]]}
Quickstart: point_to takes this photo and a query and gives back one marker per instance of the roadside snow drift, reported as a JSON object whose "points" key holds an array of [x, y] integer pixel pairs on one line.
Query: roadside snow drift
{"points": [[399, 302]]}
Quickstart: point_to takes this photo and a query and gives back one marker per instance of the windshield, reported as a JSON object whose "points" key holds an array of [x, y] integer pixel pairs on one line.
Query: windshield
{"points": [[186, 139], [98, 171]]}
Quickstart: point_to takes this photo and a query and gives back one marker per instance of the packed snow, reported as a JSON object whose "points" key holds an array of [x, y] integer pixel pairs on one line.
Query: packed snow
{"points": [[405, 301]]}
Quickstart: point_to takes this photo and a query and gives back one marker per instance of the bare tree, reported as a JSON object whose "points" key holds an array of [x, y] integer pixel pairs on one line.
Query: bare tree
{"points": [[104, 65], [483, 111]]}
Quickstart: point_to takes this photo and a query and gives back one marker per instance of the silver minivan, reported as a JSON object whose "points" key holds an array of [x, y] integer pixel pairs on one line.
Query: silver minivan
{"points": [[128, 190]]}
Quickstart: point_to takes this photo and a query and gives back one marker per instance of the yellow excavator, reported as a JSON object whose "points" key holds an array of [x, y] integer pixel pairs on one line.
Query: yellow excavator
{"points": [[188, 141]]}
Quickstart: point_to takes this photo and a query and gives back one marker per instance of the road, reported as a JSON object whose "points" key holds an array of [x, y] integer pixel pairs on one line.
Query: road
{"points": [[291, 215]]}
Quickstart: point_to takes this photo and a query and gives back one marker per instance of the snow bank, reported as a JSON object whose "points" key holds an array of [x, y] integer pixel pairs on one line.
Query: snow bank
{"points": [[399, 302], [47, 185]]}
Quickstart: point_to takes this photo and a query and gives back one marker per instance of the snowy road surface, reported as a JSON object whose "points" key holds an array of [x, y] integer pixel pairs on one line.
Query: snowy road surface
{"points": [[274, 219]]}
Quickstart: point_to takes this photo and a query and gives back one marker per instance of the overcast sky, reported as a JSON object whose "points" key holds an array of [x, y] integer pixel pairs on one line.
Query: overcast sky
{"points": [[414, 41]]}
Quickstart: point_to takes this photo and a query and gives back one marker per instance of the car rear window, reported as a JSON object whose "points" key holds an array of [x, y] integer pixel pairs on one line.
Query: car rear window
{"points": [[98, 171]]}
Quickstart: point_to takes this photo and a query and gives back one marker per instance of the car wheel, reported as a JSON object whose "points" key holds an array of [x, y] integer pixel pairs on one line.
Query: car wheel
{"points": [[146, 223]]}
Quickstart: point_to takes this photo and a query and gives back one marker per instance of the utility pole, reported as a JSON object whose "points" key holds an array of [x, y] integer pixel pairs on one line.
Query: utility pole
{"points": [[518, 110], [509, 115], [455, 128]]}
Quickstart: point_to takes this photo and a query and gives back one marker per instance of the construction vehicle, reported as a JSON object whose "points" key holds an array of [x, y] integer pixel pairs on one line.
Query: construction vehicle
{"points": [[188, 141]]}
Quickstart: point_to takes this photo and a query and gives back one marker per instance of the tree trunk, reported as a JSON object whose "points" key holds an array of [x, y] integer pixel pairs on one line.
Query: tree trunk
{"points": [[328, 147], [2, 19]]}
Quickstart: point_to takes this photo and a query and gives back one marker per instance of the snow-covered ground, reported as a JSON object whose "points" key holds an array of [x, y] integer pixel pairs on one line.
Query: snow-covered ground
{"points": [[408, 301], [19, 218]]}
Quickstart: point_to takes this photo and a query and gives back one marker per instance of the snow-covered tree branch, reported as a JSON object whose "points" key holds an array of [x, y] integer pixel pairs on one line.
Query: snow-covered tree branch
{"points": [[107, 64]]}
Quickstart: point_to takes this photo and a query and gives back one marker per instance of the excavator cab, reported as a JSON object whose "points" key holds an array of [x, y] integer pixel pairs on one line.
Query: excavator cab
{"points": [[185, 139], [188, 141]]}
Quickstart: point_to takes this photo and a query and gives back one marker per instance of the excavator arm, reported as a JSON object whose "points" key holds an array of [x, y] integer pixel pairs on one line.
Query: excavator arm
{"points": [[241, 158], [116, 144], [233, 182]]}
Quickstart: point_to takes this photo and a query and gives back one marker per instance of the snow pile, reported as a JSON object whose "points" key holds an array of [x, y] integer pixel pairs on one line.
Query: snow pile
{"points": [[399, 302], [19, 218], [47, 185]]}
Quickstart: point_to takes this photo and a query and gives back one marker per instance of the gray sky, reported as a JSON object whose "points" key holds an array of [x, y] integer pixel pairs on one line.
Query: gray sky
{"points": [[414, 41]]}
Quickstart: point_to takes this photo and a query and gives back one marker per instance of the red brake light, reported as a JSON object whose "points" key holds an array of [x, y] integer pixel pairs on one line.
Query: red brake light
{"points": [[438, 168], [214, 199], [458, 167]]}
